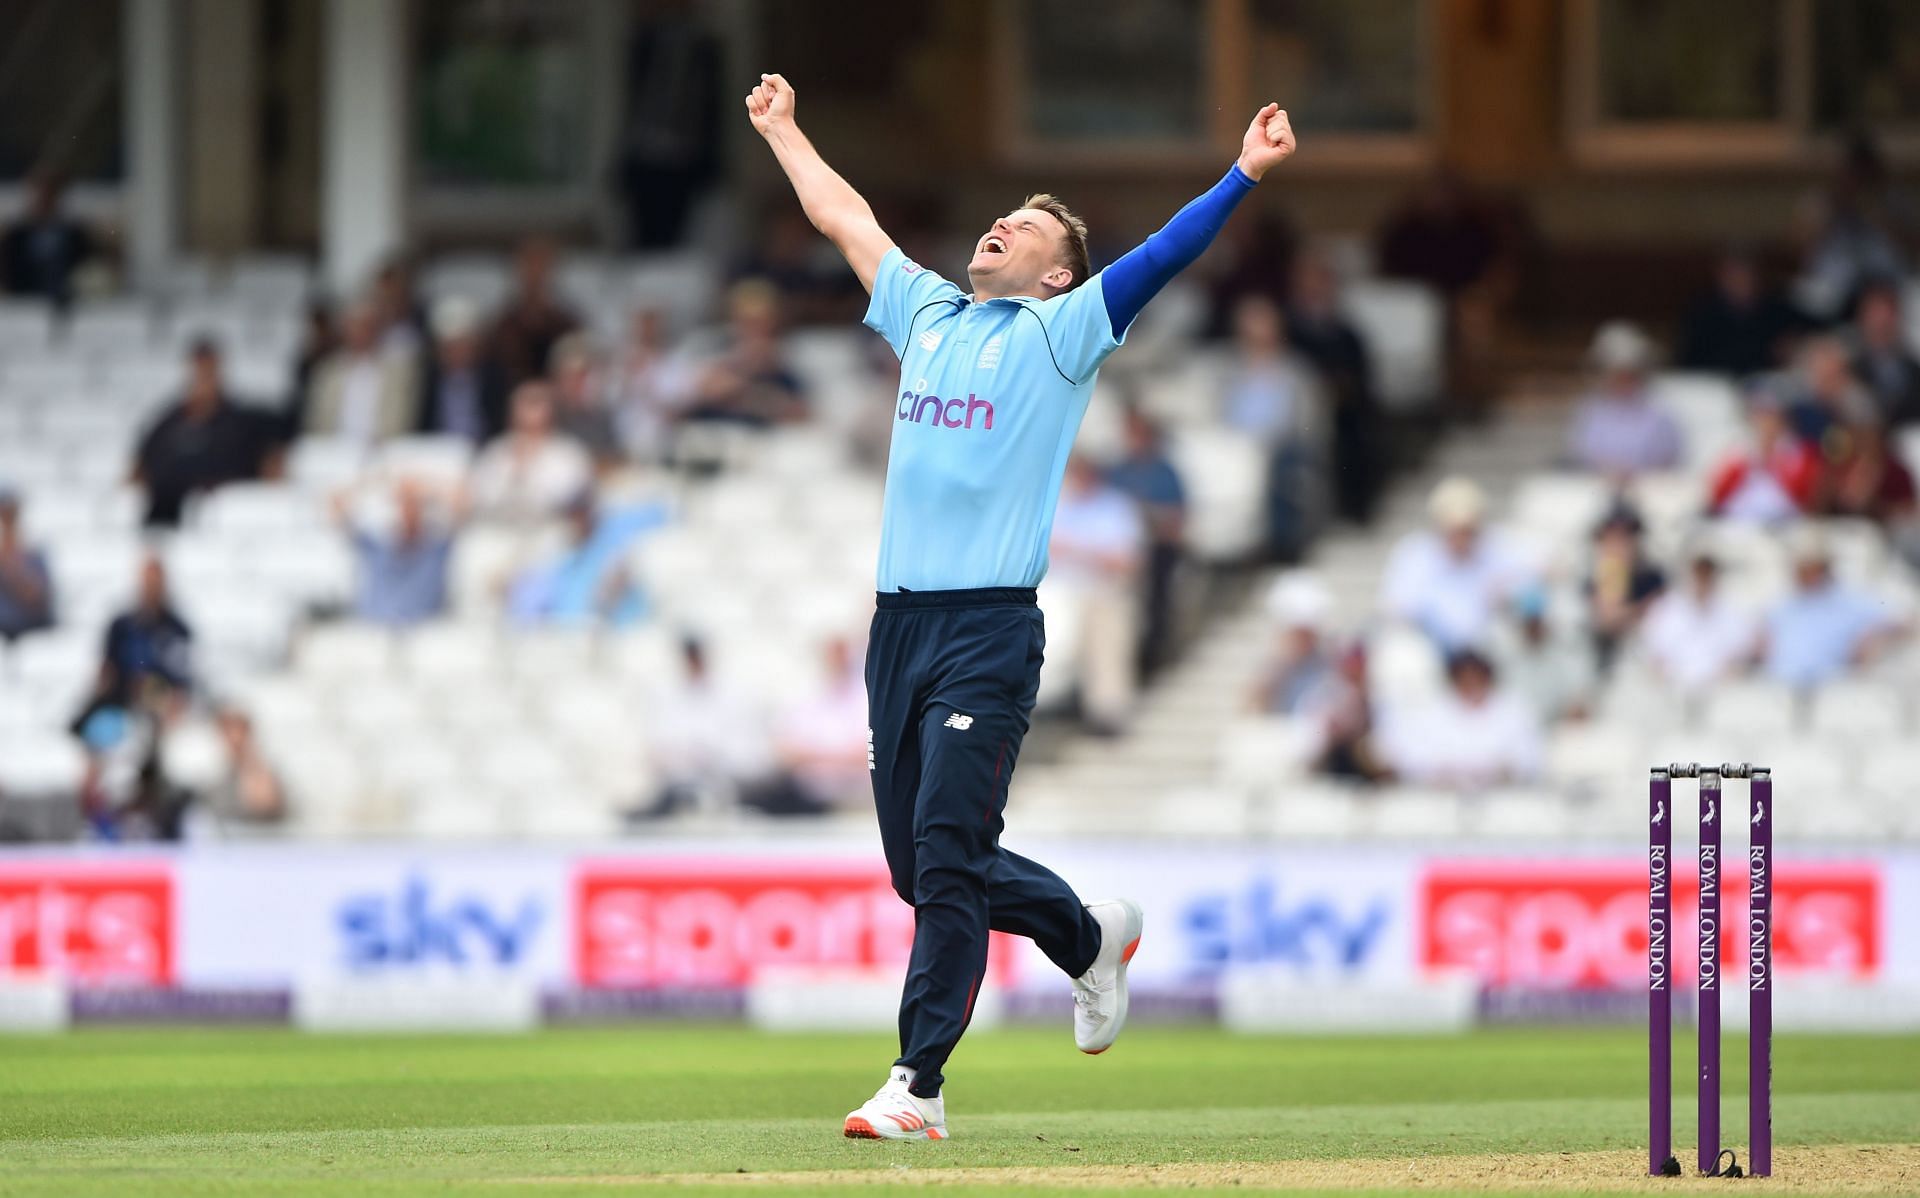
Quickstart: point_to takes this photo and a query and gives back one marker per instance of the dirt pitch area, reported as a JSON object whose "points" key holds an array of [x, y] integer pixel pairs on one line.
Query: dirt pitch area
{"points": [[1831, 1169]]}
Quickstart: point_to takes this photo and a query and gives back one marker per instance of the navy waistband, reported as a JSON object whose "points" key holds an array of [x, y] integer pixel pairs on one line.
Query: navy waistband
{"points": [[972, 597]]}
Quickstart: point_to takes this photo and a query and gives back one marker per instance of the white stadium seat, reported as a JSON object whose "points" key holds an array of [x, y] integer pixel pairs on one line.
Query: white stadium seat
{"points": [[1413, 814], [1317, 813], [1226, 477], [1555, 507], [589, 711], [1860, 711], [1263, 750], [48, 761], [1404, 326], [560, 654], [446, 654], [325, 464], [441, 461], [379, 711], [1749, 709], [1892, 769], [116, 328], [1534, 815], [26, 326], [457, 812], [1595, 755], [45, 382], [406, 769], [483, 279], [344, 652], [280, 281]]}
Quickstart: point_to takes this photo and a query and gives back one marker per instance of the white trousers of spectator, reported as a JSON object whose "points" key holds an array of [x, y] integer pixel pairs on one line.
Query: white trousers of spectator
{"points": [[1109, 640]]}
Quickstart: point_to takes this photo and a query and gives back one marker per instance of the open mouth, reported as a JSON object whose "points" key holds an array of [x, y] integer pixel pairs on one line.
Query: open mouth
{"points": [[993, 245]]}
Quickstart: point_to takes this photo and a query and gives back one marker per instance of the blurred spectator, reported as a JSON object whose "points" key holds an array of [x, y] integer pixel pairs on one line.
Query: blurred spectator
{"points": [[362, 392], [530, 472], [399, 313], [463, 394], [580, 398], [1696, 636], [1550, 667], [588, 581], [1855, 230], [1739, 327], [1260, 248], [1453, 579], [403, 568], [147, 663], [1303, 677], [1867, 480], [1774, 478], [1349, 749], [1824, 393], [319, 339], [750, 382], [1147, 475], [650, 386], [673, 137], [821, 743], [1311, 679], [143, 687], [1317, 328], [1271, 395], [1441, 235], [1468, 248], [1823, 629], [202, 441], [26, 585], [813, 281], [1620, 584], [1881, 357], [1471, 737], [1619, 430], [1098, 542], [42, 249], [520, 343], [248, 791], [706, 741]]}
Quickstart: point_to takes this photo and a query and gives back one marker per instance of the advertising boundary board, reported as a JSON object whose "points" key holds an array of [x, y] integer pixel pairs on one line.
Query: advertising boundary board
{"points": [[614, 930]]}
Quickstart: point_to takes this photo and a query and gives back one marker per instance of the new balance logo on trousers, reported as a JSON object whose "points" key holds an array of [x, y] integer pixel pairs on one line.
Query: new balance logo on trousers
{"points": [[961, 722]]}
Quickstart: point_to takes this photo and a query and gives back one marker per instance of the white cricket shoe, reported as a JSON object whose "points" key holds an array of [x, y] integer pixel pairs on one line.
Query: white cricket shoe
{"points": [[1100, 994], [896, 1113]]}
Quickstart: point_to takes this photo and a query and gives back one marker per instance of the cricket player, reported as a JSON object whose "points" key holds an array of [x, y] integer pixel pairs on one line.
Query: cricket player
{"points": [[993, 385]]}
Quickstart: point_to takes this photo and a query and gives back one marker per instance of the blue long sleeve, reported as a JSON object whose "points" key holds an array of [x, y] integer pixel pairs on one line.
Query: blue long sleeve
{"points": [[1141, 272]]}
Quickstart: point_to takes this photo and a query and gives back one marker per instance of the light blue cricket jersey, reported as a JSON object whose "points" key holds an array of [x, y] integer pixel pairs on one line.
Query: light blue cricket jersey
{"points": [[991, 396]]}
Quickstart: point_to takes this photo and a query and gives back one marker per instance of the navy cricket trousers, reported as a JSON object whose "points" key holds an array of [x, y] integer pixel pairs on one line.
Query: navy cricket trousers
{"points": [[951, 679]]}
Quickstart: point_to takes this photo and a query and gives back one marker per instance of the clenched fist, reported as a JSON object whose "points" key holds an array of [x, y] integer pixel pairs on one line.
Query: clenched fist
{"points": [[1268, 143], [770, 104]]}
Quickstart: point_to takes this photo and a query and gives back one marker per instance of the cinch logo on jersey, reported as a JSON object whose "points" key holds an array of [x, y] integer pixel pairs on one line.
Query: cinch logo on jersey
{"points": [[949, 413]]}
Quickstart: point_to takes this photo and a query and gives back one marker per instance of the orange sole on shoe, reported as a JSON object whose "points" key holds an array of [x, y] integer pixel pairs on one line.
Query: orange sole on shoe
{"points": [[859, 1129]]}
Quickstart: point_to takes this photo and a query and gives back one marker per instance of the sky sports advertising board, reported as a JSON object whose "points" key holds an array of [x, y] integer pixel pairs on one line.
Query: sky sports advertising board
{"points": [[710, 916]]}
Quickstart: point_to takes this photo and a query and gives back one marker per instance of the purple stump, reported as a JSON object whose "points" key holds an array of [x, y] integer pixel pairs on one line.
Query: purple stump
{"points": [[1709, 990], [1760, 978], [1659, 973]]}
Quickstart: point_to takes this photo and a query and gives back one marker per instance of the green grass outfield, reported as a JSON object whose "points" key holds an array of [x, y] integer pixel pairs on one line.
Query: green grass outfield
{"points": [[594, 1111]]}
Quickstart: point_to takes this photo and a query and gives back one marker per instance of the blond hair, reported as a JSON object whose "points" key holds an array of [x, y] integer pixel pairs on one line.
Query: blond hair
{"points": [[1076, 244]]}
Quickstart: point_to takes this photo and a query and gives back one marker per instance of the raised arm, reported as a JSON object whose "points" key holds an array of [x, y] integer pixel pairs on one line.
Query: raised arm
{"points": [[830, 202], [1139, 275]]}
